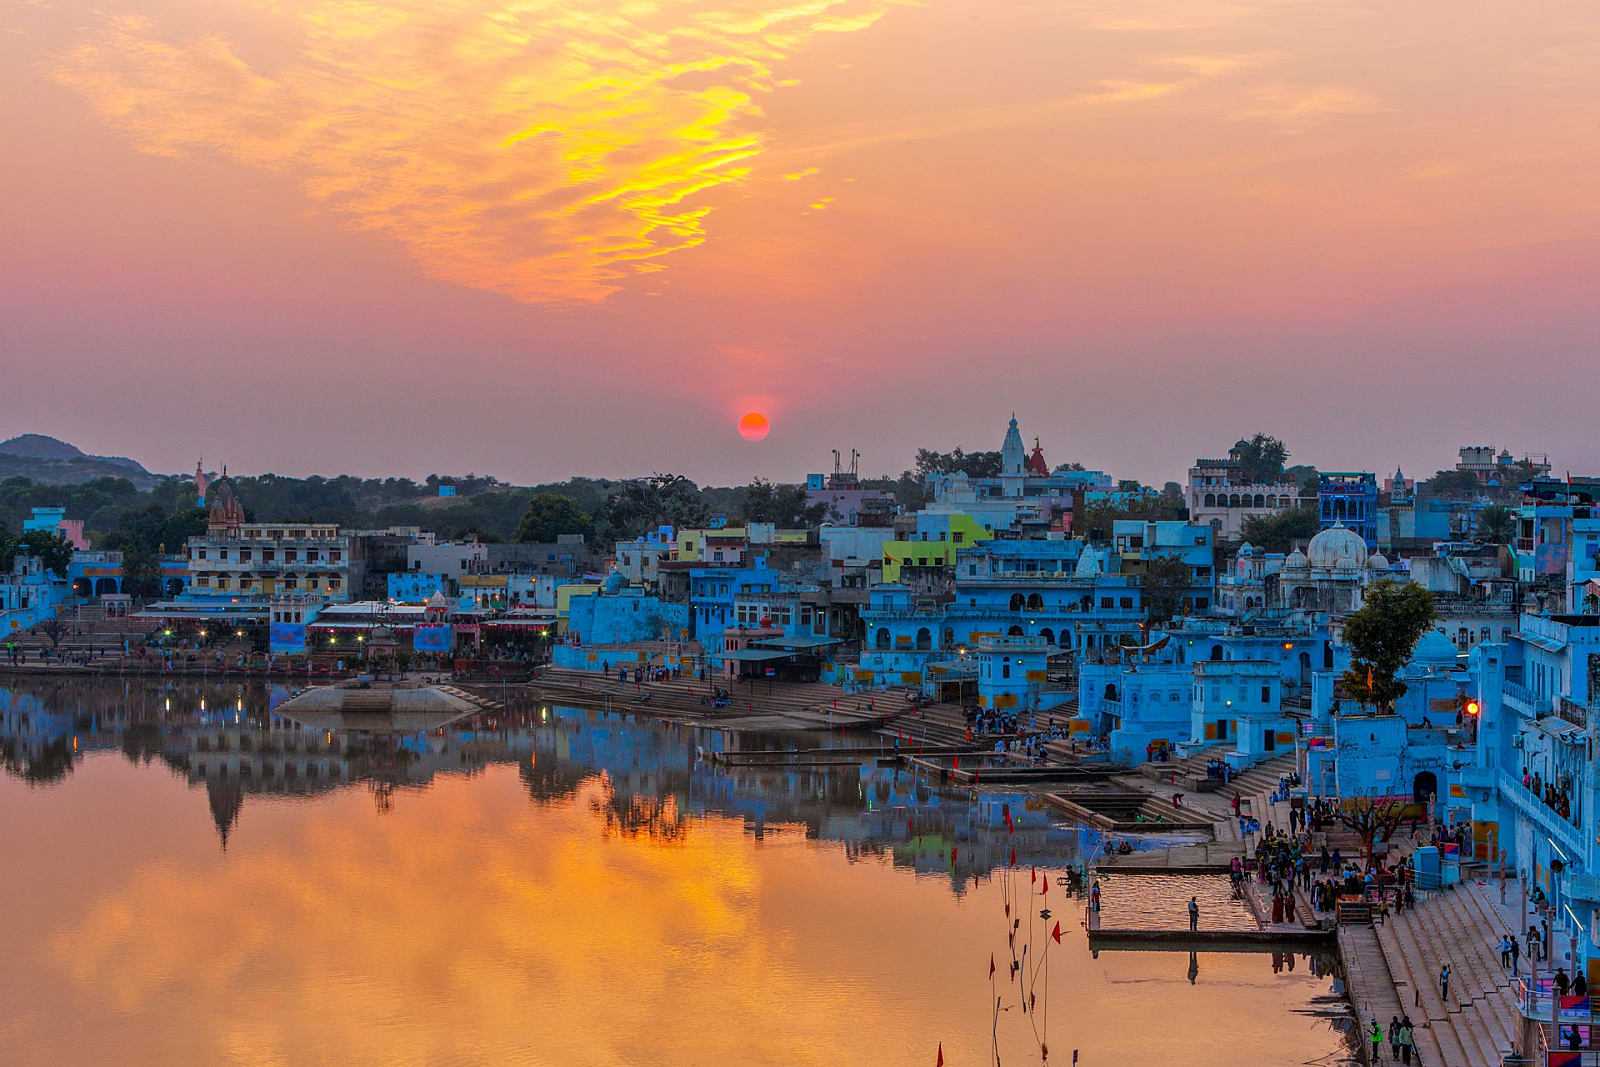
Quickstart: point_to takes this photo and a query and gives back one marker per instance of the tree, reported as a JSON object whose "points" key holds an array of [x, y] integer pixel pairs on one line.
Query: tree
{"points": [[1261, 458], [1453, 483], [52, 629], [1166, 579], [549, 515], [1373, 819], [53, 550], [1497, 524], [785, 506], [973, 464], [644, 503], [1381, 636], [1278, 533]]}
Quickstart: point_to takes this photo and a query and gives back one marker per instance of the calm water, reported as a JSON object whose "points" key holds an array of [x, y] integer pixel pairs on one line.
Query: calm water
{"points": [[218, 885]]}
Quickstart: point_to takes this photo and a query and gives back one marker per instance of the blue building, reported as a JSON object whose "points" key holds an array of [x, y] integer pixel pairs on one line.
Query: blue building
{"points": [[29, 594], [1349, 498], [414, 587]]}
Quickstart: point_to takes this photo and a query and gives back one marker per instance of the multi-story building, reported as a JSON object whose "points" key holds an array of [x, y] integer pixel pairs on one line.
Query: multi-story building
{"points": [[1219, 496], [1137, 543], [1349, 499], [236, 557]]}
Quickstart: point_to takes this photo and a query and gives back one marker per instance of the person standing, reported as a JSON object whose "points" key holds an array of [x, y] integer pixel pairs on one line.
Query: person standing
{"points": [[1516, 952], [1505, 953], [1444, 982], [1394, 1038], [1194, 914], [1580, 985], [1408, 1040], [1376, 1037]]}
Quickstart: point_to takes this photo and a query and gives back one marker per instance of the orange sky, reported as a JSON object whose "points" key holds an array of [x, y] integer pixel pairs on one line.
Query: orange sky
{"points": [[293, 233]]}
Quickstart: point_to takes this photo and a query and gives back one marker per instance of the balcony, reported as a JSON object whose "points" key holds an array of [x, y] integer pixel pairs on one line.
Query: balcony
{"points": [[1562, 830], [1521, 698]]}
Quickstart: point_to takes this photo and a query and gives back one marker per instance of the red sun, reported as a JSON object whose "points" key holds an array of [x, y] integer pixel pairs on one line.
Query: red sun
{"points": [[754, 426]]}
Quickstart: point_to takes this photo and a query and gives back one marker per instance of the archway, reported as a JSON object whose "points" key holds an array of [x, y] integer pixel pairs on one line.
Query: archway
{"points": [[82, 587], [1111, 691], [1049, 635], [881, 640], [1017, 601], [105, 586], [1035, 602], [924, 639], [1211, 500], [1424, 787], [1216, 653], [1015, 631]]}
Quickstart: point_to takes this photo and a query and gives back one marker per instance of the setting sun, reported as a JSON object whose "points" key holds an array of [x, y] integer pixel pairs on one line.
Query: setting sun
{"points": [[754, 426]]}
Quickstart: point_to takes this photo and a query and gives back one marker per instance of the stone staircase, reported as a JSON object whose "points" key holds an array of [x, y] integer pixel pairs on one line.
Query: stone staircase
{"points": [[1479, 1023]]}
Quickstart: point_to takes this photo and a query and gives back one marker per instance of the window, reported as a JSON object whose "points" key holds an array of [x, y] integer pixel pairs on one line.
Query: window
{"points": [[1126, 602], [291, 555], [1266, 694], [1005, 669], [246, 555]]}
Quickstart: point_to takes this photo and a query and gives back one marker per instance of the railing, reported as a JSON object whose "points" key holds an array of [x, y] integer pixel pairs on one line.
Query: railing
{"points": [[1565, 829], [1520, 694], [1534, 1000]]}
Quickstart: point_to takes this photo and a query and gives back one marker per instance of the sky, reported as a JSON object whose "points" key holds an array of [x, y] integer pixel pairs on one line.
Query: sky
{"points": [[536, 238]]}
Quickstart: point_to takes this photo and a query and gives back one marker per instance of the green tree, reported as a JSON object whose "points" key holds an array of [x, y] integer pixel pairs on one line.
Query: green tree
{"points": [[1166, 579], [973, 464], [1261, 458], [550, 515], [643, 503], [786, 506], [1381, 636], [1453, 483], [53, 550], [1497, 524], [1278, 533]]}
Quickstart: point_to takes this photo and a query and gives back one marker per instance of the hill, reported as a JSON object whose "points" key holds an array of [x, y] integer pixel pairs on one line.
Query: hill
{"points": [[50, 461]]}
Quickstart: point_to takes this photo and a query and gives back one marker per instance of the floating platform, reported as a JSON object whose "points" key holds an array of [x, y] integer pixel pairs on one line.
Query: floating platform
{"points": [[382, 707], [1211, 940]]}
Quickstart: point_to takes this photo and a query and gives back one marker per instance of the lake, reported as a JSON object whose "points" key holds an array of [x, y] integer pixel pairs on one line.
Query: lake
{"points": [[189, 877]]}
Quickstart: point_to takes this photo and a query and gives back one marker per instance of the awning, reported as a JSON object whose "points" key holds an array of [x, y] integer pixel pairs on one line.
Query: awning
{"points": [[755, 655], [796, 644], [1539, 641]]}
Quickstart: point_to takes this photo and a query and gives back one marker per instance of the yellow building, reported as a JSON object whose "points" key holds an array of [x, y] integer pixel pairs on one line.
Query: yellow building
{"points": [[938, 539]]}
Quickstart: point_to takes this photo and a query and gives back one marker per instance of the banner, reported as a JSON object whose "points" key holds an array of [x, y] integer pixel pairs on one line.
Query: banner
{"points": [[437, 638], [287, 639]]}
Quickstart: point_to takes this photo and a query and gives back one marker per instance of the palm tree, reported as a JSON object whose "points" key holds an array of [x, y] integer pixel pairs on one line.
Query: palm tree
{"points": [[1497, 525]]}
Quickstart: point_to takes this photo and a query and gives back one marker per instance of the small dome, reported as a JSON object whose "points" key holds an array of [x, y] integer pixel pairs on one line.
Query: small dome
{"points": [[1247, 549], [1295, 560], [1433, 647], [1337, 547], [1378, 562]]}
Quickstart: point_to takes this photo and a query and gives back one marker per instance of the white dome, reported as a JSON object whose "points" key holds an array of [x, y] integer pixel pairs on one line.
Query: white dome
{"points": [[1336, 548], [1296, 560], [1378, 562]]}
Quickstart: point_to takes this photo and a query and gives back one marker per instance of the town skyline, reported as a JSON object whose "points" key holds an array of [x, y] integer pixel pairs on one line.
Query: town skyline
{"points": [[1352, 229]]}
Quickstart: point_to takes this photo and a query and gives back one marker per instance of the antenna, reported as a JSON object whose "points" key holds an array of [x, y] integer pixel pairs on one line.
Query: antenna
{"points": [[836, 463], [855, 458]]}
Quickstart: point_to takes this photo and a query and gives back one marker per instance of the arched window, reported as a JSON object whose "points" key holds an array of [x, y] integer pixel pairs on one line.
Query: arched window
{"points": [[1211, 500], [949, 637], [924, 639], [1233, 500], [1111, 691], [1017, 601], [1261, 501], [882, 640], [1035, 602], [1015, 631], [1216, 652], [1066, 639], [1005, 668], [1049, 635]]}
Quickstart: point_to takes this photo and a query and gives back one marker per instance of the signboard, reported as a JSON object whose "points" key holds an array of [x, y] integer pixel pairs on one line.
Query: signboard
{"points": [[436, 638], [287, 639]]}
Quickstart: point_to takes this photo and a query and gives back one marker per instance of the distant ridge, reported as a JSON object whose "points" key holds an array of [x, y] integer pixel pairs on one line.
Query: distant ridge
{"points": [[52, 461]]}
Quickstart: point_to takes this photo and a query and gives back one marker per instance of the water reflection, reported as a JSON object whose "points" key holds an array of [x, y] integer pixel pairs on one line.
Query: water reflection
{"points": [[550, 886], [654, 778]]}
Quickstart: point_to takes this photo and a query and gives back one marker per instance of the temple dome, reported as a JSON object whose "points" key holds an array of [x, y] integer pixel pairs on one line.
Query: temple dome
{"points": [[1295, 561], [1433, 647], [1378, 562], [1337, 548]]}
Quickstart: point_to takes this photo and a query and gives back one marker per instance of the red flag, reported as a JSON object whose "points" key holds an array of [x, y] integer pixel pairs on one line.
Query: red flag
{"points": [[911, 827], [1044, 885], [952, 855], [1013, 857], [955, 763], [1033, 872], [940, 1062], [1056, 933], [991, 961]]}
